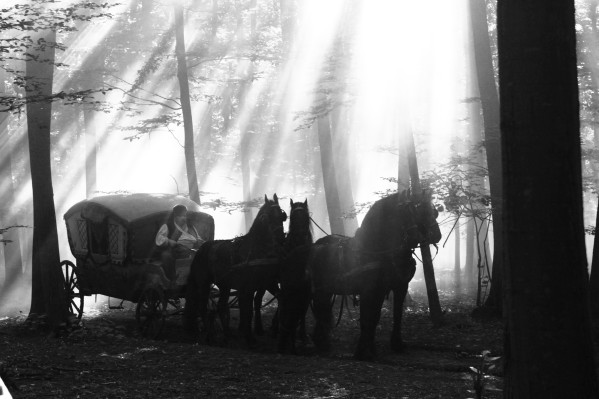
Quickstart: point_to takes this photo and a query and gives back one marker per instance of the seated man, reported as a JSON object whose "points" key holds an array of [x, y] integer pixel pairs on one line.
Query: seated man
{"points": [[177, 239]]}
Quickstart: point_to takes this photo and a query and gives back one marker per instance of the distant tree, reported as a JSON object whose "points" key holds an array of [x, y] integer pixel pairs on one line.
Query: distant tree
{"points": [[548, 347], [489, 100], [331, 188], [13, 264], [182, 76]]}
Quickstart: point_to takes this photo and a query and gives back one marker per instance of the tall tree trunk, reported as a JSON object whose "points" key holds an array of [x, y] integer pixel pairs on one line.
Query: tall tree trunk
{"points": [[190, 162], [47, 295], [490, 107], [594, 68], [434, 305], [548, 347], [331, 189]]}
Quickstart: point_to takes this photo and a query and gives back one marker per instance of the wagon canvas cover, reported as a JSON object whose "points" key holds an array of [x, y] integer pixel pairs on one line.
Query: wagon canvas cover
{"points": [[112, 238]]}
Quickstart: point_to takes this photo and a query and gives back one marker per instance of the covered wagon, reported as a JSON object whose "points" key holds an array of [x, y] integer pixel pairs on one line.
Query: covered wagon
{"points": [[112, 238]]}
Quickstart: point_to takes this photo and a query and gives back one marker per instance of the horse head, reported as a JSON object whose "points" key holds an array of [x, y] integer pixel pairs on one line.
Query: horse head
{"points": [[390, 225], [271, 216], [299, 222], [426, 215]]}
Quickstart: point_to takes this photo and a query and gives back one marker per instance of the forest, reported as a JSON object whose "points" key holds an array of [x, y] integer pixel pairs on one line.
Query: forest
{"points": [[359, 169]]}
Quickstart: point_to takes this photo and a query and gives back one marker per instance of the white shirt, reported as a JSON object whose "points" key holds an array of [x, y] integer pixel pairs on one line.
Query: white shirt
{"points": [[187, 238]]}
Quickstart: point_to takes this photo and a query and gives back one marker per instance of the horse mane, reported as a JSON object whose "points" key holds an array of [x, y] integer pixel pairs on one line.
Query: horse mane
{"points": [[259, 220], [376, 215]]}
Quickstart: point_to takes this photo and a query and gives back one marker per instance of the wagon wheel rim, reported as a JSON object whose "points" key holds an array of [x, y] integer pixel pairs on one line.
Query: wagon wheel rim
{"points": [[150, 313], [71, 287]]}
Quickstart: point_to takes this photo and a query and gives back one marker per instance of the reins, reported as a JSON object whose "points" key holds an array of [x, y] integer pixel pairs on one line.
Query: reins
{"points": [[320, 228]]}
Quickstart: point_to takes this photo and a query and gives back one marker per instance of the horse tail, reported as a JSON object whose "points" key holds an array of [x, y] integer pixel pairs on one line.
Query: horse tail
{"points": [[192, 290]]}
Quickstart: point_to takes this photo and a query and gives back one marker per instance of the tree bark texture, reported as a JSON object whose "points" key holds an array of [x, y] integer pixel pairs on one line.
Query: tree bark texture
{"points": [[182, 75], [548, 346], [490, 108], [47, 294]]}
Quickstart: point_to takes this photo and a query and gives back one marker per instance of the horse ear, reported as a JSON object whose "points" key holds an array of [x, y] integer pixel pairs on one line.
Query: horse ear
{"points": [[274, 197], [306, 202], [265, 198], [290, 202]]}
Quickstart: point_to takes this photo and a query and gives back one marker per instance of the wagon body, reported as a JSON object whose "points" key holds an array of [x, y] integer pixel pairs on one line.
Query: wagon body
{"points": [[112, 240]]}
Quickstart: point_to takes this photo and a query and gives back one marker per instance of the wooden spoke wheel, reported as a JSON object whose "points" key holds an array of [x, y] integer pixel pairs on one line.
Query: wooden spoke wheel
{"points": [[71, 287], [151, 312]]}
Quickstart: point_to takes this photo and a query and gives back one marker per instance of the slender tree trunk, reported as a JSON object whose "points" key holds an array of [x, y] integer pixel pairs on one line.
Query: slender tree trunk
{"points": [[457, 252], [331, 189], [427, 261], [548, 345], [91, 153], [190, 163], [343, 172], [469, 265], [47, 295], [490, 107]]}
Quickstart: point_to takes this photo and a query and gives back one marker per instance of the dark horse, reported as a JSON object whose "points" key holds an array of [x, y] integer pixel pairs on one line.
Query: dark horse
{"points": [[378, 259], [292, 277], [295, 293], [244, 264]]}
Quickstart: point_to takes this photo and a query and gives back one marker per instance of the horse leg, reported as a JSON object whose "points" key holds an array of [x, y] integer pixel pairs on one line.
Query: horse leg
{"points": [[287, 320], [223, 311], [245, 316], [274, 326], [324, 316], [399, 295], [370, 314], [400, 291], [196, 301], [258, 327]]}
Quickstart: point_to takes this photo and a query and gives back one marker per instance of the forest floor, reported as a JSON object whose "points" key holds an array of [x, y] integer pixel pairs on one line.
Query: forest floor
{"points": [[107, 358]]}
